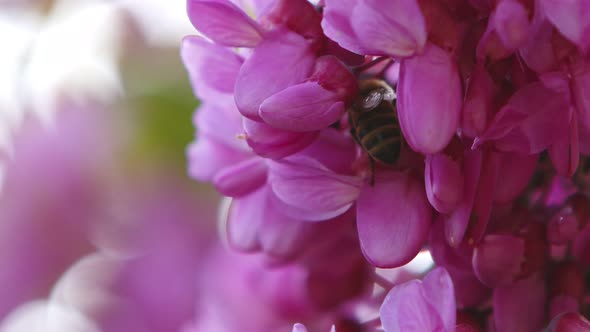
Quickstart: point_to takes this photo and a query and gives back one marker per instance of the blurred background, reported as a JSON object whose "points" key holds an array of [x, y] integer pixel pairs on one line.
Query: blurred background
{"points": [[100, 227]]}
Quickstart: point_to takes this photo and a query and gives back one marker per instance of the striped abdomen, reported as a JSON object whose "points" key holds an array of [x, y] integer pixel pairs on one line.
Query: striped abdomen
{"points": [[377, 131]]}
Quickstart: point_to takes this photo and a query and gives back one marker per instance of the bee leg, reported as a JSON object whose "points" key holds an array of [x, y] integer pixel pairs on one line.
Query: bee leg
{"points": [[372, 170]]}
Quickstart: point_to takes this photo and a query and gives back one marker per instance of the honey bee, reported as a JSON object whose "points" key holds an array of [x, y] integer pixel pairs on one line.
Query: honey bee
{"points": [[374, 124]]}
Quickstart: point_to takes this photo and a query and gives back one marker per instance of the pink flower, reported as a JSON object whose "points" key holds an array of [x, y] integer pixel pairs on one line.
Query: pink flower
{"points": [[427, 305], [376, 27]]}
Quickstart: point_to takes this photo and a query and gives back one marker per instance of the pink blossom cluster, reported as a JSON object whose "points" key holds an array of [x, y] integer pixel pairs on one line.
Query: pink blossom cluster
{"points": [[492, 98]]}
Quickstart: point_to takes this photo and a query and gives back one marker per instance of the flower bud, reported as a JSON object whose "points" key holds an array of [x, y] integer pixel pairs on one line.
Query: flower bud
{"points": [[444, 182], [429, 100], [497, 259]]}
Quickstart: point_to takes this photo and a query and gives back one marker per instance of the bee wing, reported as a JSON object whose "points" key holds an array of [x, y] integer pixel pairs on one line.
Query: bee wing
{"points": [[371, 100], [375, 97]]}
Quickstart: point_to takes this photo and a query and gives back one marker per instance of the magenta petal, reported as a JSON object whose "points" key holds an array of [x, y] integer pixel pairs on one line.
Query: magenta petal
{"points": [[274, 143], [421, 306], [482, 203], [333, 75], [312, 191], [303, 107], [569, 322], [336, 23], [396, 28], [511, 23], [443, 181], [538, 52], [580, 89], [333, 149], [571, 18], [584, 135], [563, 303], [281, 60], [479, 102], [244, 220], [299, 15], [470, 291], [563, 226], [393, 219], [513, 176], [224, 23], [212, 69], [534, 118], [299, 328], [520, 306], [497, 259], [456, 223], [206, 157], [255, 223], [440, 293], [565, 152], [242, 178], [280, 236], [429, 100], [405, 309]]}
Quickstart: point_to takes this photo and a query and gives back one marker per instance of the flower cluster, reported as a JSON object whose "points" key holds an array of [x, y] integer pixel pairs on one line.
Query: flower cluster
{"points": [[388, 127]]}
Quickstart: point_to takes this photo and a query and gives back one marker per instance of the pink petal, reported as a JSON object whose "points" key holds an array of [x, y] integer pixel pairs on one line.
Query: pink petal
{"points": [[440, 294], [569, 322], [333, 149], [470, 292], [565, 152], [210, 67], [405, 309], [280, 236], [299, 16], [443, 181], [393, 219], [283, 59], [456, 223], [274, 143], [478, 104], [563, 226], [224, 23], [584, 135], [571, 18], [482, 204], [336, 23], [429, 100], [299, 328], [497, 259], [244, 220], [396, 28], [538, 52], [242, 178], [563, 303], [303, 107], [534, 118], [511, 23], [333, 75], [220, 123], [580, 89], [513, 176], [520, 306], [207, 156], [312, 191]]}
